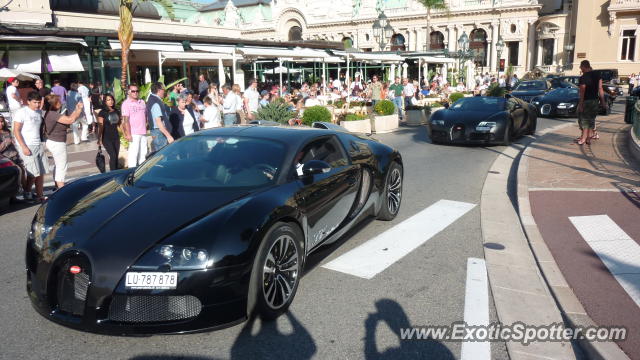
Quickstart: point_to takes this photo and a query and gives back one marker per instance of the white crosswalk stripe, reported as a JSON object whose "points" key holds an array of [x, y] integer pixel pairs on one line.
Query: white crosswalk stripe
{"points": [[617, 250], [375, 255], [476, 308]]}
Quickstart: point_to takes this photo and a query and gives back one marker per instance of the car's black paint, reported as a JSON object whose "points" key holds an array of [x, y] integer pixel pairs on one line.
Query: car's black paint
{"points": [[547, 105], [9, 181], [451, 126], [111, 224]]}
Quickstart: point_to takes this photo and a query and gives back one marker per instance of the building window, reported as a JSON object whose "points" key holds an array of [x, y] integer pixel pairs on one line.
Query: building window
{"points": [[478, 44], [547, 51], [397, 42], [436, 41], [514, 48], [295, 33], [513, 28], [628, 45], [347, 43]]}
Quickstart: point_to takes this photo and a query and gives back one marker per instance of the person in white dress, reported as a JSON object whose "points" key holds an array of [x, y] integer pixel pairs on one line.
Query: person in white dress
{"points": [[211, 116]]}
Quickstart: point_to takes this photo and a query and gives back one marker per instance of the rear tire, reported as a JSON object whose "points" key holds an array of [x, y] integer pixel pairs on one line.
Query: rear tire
{"points": [[532, 127], [392, 195], [276, 271]]}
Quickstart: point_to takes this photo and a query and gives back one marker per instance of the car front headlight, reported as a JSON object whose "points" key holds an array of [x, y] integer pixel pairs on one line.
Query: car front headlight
{"points": [[486, 126], [174, 258], [438, 122], [38, 233], [566, 105]]}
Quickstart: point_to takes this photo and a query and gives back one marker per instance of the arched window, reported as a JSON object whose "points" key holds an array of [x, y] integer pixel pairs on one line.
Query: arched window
{"points": [[295, 33], [397, 42], [436, 41], [478, 44], [347, 43]]}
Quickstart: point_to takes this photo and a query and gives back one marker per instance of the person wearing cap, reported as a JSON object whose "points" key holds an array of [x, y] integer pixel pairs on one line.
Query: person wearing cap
{"points": [[251, 99], [13, 97]]}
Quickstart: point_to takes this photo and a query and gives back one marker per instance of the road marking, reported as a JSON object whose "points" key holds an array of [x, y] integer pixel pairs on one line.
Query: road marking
{"points": [[617, 250], [583, 189], [377, 254], [476, 308]]}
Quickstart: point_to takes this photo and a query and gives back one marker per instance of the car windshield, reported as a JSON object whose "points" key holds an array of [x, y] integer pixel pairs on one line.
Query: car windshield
{"points": [[561, 84], [531, 85], [571, 79], [479, 103], [210, 162], [568, 91]]}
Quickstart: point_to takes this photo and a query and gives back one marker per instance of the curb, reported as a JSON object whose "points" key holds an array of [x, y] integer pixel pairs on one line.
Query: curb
{"points": [[520, 291], [634, 144], [572, 310]]}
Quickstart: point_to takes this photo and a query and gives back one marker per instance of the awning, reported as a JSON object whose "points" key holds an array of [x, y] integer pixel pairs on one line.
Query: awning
{"points": [[26, 60], [43, 39], [149, 45], [434, 59], [366, 56], [271, 53], [168, 55], [64, 61], [213, 48]]}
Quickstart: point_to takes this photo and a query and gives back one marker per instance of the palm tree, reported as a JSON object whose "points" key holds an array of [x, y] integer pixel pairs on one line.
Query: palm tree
{"points": [[432, 5], [125, 30]]}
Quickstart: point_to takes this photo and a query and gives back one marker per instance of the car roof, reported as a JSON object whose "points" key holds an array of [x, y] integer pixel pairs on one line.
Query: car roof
{"points": [[292, 135]]}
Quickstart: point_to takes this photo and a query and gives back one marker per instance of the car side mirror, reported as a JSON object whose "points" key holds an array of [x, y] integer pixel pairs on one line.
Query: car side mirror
{"points": [[314, 167]]}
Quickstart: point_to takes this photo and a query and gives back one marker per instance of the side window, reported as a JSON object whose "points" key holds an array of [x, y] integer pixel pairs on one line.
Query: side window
{"points": [[326, 149]]}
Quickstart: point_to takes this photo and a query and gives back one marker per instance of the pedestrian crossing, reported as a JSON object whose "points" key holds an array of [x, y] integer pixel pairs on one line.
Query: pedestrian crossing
{"points": [[615, 248], [377, 254]]}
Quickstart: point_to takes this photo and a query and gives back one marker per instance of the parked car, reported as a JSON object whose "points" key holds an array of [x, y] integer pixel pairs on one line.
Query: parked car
{"points": [[483, 120], [527, 90], [213, 228], [609, 88], [9, 181], [564, 102]]}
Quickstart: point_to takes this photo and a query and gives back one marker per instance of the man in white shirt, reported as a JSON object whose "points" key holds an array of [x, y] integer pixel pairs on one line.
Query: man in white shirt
{"points": [[460, 87], [211, 115], [251, 99], [408, 91], [229, 106], [13, 98], [336, 83], [312, 100], [27, 124], [81, 126]]}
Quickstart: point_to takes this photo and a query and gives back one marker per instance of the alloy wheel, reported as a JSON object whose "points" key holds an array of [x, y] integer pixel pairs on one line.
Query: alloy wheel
{"points": [[394, 191], [280, 272]]}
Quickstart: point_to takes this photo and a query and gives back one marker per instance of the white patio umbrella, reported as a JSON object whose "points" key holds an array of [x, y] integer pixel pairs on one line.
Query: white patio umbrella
{"points": [[6, 73], [147, 76], [281, 70]]}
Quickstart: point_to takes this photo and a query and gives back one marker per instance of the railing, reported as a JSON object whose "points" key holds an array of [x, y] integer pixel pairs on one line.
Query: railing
{"points": [[624, 5]]}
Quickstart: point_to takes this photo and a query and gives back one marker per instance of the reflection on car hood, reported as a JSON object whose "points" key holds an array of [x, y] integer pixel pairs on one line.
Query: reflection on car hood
{"points": [[527, 93], [119, 222], [464, 117]]}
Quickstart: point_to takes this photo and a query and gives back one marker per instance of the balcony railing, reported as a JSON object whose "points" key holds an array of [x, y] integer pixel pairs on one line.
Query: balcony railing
{"points": [[618, 5]]}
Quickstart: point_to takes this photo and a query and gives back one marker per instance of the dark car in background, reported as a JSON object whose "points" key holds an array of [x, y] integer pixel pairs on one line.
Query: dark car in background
{"points": [[9, 181], [613, 90], [564, 102], [527, 90], [483, 120], [213, 228]]}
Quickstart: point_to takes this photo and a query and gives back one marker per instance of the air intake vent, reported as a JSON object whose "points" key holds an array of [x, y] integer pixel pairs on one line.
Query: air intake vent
{"points": [[142, 309], [72, 285]]}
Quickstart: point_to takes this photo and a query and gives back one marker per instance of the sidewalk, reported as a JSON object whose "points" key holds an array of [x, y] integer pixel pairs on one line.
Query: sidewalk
{"points": [[585, 201], [81, 160]]}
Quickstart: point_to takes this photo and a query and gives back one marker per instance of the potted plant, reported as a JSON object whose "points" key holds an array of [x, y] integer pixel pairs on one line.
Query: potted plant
{"points": [[357, 123], [276, 111], [384, 117], [455, 97], [316, 114], [417, 115]]}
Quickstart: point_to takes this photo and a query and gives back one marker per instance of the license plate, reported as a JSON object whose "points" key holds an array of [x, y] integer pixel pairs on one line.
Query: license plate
{"points": [[151, 280]]}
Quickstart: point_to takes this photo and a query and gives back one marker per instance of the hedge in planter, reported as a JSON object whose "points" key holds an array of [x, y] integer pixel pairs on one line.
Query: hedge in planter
{"points": [[316, 114], [384, 107], [455, 97], [276, 111], [354, 117]]}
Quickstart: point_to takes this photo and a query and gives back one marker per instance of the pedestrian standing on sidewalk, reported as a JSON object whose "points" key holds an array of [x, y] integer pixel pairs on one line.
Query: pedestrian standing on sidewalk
{"points": [[240, 117], [61, 92], [43, 91], [108, 123], [203, 86], [158, 118], [632, 82], [55, 127], [28, 134], [591, 99], [81, 126], [183, 120], [13, 97], [251, 99], [408, 91], [396, 88], [134, 124], [229, 106], [375, 89], [211, 116]]}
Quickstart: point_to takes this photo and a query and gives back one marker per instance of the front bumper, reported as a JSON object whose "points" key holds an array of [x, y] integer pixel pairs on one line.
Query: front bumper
{"points": [[552, 110], [465, 134], [203, 299]]}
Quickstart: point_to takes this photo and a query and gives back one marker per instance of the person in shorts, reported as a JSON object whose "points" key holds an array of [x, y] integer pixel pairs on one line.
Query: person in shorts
{"points": [[28, 134], [591, 99]]}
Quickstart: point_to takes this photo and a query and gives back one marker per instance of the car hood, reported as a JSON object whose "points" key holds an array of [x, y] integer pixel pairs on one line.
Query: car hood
{"points": [[559, 96], [527, 93], [115, 224], [464, 117]]}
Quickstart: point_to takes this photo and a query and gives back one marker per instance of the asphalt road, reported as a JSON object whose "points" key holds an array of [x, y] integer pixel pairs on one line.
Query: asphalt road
{"points": [[334, 315]]}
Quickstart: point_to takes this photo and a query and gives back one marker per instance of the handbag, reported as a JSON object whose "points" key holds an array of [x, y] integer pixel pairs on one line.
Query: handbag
{"points": [[100, 163]]}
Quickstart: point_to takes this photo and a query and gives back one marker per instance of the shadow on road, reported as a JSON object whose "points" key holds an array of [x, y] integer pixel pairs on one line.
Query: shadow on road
{"points": [[391, 313]]}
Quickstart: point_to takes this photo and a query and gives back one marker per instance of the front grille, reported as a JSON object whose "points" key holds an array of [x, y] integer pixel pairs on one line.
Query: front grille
{"points": [[71, 289], [546, 109], [457, 132], [141, 309]]}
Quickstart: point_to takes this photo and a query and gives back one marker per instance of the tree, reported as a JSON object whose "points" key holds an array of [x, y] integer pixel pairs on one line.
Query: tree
{"points": [[433, 5], [125, 30]]}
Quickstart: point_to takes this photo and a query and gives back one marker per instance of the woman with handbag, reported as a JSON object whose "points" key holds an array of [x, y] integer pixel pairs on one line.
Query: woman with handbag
{"points": [[56, 126], [108, 123]]}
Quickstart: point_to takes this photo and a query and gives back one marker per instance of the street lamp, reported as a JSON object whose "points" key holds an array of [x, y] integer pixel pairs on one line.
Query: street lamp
{"points": [[463, 52], [499, 48], [382, 30], [463, 42]]}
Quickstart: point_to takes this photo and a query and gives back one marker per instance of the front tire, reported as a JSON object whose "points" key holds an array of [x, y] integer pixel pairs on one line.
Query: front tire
{"points": [[506, 140], [276, 272], [392, 193], [532, 127]]}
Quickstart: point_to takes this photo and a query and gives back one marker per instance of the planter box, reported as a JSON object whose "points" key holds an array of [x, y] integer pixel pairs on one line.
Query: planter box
{"points": [[416, 117], [357, 126], [385, 124]]}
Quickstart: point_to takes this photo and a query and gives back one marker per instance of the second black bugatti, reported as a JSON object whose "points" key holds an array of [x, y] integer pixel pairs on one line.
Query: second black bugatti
{"points": [[211, 229], [563, 102]]}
